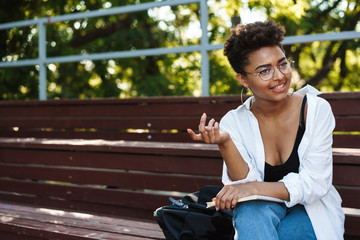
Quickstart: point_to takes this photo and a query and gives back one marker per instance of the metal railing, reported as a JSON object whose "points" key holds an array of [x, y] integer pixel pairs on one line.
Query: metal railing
{"points": [[204, 48]]}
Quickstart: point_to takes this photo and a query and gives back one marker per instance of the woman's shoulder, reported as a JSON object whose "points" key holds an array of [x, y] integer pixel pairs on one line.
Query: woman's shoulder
{"points": [[312, 95]]}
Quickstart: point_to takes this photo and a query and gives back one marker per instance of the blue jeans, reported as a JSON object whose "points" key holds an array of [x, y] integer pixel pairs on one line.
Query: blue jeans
{"points": [[269, 220]]}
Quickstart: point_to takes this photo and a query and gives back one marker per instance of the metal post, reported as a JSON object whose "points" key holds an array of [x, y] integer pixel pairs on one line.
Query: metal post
{"points": [[205, 86], [42, 60]]}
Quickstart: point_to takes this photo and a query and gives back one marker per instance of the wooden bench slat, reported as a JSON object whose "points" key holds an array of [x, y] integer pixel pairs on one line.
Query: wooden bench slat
{"points": [[352, 224], [350, 196], [76, 220], [346, 107], [346, 141], [340, 140], [57, 231], [95, 208], [167, 182], [347, 175], [15, 236], [99, 145], [7, 207], [122, 161], [347, 123], [109, 123], [85, 194], [93, 111], [157, 136], [346, 156]]}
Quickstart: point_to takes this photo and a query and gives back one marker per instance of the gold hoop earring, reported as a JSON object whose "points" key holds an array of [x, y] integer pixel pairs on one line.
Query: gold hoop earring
{"points": [[241, 95]]}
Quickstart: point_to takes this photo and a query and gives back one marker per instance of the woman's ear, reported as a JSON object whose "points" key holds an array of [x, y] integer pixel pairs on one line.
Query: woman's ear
{"points": [[242, 80]]}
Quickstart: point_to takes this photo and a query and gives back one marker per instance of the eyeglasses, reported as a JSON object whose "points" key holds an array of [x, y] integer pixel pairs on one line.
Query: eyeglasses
{"points": [[267, 72]]}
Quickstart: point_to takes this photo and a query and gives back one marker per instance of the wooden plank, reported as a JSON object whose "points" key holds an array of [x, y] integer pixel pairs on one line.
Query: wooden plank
{"points": [[341, 95], [122, 161], [340, 140], [12, 208], [14, 236], [103, 123], [346, 175], [346, 107], [350, 196], [119, 110], [346, 141], [346, 156], [82, 221], [138, 147], [57, 231], [154, 136], [347, 123], [109, 177], [87, 207], [86, 194], [352, 224]]}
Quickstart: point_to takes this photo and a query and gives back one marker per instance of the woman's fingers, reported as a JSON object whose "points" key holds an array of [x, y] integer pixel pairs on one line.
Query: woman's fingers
{"points": [[202, 122], [207, 134], [194, 136], [217, 131], [227, 198], [210, 130], [202, 129]]}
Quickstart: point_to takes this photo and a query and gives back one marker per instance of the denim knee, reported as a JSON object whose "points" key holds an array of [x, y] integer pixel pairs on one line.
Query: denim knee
{"points": [[296, 225], [258, 219]]}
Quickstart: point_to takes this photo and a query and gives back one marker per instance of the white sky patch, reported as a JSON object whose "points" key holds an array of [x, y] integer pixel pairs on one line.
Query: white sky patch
{"points": [[165, 14], [249, 16]]}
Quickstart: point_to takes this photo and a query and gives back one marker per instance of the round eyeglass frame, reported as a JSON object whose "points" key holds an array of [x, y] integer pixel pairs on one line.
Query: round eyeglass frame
{"points": [[291, 62]]}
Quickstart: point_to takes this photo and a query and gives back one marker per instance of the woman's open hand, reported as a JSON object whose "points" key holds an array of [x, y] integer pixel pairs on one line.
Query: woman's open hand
{"points": [[230, 194], [210, 133]]}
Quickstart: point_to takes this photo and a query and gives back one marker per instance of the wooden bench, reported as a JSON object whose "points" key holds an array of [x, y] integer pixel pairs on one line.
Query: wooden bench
{"points": [[97, 169]]}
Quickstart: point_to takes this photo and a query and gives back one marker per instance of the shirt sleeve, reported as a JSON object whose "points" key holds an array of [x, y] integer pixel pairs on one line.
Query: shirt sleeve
{"points": [[315, 173], [229, 124]]}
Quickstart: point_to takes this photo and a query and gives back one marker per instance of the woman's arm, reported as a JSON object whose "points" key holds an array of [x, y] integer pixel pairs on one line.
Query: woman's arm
{"points": [[236, 165], [230, 194]]}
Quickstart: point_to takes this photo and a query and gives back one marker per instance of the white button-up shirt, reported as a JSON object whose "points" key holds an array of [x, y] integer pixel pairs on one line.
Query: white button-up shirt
{"points": [[312, 186]]}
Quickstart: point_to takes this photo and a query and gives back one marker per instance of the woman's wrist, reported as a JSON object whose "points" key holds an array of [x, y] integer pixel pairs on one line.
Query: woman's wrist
{"points": [[225, 143]]}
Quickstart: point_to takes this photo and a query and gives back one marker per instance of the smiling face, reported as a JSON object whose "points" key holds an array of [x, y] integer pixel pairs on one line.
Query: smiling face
{"points": [[261, 61]]}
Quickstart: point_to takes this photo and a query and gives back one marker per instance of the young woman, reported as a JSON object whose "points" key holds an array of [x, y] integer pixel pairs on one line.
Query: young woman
{"points": [[275, 144]]}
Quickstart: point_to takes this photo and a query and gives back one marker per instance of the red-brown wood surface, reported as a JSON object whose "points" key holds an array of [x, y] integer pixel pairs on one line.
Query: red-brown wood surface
{"points": [[350, 196], [60, 154], [126, 161], [352, 230], [87, 207], [57, 224], [167, 182], [111, 118], [347, 175]]}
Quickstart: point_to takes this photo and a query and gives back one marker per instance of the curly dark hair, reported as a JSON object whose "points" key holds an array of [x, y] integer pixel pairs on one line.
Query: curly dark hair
{"points": [[246, 39]]}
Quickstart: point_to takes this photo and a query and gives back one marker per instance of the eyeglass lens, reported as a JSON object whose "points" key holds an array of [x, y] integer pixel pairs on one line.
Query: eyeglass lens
{"points": [[268, 73]]}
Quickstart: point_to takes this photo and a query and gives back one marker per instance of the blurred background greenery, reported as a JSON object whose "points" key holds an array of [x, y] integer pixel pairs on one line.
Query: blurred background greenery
{"points": [[327, 65]]}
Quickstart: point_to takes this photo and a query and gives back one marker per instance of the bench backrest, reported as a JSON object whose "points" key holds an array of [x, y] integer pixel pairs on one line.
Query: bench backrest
{"points": [[145, 119]]}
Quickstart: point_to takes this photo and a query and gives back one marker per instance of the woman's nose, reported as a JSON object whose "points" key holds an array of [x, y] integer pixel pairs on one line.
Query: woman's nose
{"points": [[278, 74]]}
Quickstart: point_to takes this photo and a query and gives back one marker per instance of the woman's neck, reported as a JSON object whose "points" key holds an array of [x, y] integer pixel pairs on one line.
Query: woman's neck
{"points": [[270, 109]]}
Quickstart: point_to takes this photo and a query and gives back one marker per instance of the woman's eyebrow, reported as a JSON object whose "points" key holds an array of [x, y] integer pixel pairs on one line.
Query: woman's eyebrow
{"points": [[268, 65]]}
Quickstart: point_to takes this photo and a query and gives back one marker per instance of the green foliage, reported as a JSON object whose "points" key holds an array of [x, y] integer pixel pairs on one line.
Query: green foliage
{"points": [[327, 65]]}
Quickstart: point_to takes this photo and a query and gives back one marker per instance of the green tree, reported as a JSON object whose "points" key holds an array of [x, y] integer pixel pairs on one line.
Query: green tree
{"points": [[327, 65]]}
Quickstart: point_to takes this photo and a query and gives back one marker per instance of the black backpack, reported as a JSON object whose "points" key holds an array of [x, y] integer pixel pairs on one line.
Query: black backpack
{"points": [[189, 219]]}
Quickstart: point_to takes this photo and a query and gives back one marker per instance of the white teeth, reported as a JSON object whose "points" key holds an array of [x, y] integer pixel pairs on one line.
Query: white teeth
{"points": [[280, 86]]}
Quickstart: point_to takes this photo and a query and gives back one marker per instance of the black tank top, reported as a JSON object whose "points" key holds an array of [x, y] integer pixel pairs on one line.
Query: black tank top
{"points": [[276, 173]]}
